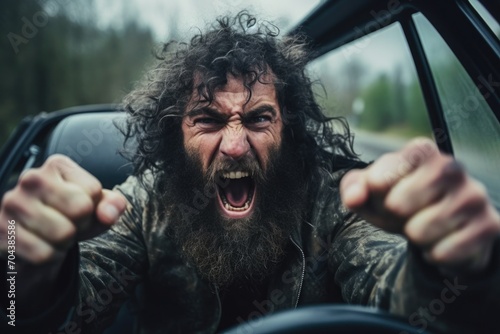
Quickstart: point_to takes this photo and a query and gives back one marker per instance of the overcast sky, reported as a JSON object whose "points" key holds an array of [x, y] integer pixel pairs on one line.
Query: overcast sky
{"points": [[158, 14], [380, 52]]}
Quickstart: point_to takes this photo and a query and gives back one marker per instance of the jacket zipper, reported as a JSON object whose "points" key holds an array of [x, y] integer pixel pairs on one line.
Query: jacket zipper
{"points": [[219, 315], [303, 270]]}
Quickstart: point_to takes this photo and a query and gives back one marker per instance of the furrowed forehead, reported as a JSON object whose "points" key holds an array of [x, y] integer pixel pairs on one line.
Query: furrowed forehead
{"points": [[204, 95]]}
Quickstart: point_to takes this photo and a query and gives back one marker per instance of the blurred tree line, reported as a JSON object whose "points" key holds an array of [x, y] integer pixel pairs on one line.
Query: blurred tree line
{"points": [[54, 55], [384, 103], [392, 105]]}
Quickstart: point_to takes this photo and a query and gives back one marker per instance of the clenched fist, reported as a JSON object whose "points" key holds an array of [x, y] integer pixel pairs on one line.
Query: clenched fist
{"points": [[428, 197], [53, 207]]}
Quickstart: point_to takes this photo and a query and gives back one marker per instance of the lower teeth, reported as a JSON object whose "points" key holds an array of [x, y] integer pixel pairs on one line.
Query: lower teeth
{"points": [[233, 208]]}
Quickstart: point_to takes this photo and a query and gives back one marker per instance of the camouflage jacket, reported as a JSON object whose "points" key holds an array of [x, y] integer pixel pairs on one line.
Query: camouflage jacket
{"points": [[334, 257]]}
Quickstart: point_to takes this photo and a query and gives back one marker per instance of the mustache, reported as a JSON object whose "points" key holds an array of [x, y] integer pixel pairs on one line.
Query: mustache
{"points": [[223, 165]]}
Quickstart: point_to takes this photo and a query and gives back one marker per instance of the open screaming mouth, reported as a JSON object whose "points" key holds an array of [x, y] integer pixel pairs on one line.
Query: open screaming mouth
{"points": [[236, 198]]}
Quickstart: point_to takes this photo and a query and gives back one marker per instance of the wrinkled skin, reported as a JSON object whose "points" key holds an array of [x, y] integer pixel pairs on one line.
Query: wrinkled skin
{"points": [[234, 127]]}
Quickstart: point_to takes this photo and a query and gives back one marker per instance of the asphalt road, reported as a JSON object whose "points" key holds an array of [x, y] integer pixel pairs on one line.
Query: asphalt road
{"points": [[372, 146]]}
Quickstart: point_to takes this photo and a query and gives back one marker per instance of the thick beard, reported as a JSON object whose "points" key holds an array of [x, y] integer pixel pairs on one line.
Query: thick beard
{"points": [[225, 250]]}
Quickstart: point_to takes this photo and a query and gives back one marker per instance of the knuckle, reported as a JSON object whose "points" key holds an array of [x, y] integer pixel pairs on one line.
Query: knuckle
{"points": [[445, 161], [59, 164], [423, 144], [12, 201], [477, 194], [8, 198], [441, 258], [94, 187], [451, 168], [422, 233], [79, 205], [446, 169], [34, 251], [415, 235], [479, 189], [433, 257], [65, 233], [387, 157], [393, 204], [491, 226], [380, 174], [56, 160], [32, 179], [419, 150]]}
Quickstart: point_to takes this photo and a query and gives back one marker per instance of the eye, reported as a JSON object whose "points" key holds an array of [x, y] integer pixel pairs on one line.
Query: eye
{"points": [[208, 123], [259, 119], [206, 120]]}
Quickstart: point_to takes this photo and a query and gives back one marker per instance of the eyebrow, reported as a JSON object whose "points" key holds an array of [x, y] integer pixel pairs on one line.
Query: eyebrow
{"points": [[216, 114], [205, 111]]}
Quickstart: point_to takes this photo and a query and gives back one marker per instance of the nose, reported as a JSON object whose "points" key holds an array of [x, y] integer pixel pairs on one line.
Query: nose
{"points": [[234, 142]]}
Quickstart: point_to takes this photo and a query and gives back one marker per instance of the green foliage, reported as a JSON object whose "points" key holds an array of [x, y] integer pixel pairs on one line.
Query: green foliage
{"points": [[63, 62], [395, 107], [379, 110]]}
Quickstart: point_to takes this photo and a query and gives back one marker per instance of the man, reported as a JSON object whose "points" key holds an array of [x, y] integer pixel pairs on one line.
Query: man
{"points": [[236, 208]]}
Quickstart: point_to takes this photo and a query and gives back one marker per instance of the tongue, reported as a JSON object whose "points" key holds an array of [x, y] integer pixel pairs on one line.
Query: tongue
{"points": [[237, 191]]}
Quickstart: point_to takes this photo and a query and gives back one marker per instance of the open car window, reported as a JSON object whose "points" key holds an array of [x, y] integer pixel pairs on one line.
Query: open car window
{"points": [[473, 128], [373, 83]]}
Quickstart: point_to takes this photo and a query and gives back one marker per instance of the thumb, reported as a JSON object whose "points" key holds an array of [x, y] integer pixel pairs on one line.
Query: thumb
{"points": [[110, 207]]}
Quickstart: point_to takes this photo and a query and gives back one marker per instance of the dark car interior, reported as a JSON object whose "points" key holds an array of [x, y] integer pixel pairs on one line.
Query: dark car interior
{"points": [[92, 140]]}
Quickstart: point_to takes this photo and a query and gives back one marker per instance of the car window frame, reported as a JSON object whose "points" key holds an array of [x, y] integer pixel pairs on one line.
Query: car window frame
{"points": [[332, 27]]}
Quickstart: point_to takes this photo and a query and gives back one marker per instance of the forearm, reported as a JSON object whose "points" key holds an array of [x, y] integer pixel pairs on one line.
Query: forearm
{"points": [[104, 284], [367, 262], [451, 304], [374, 269], [96, 277], [36, 307]]}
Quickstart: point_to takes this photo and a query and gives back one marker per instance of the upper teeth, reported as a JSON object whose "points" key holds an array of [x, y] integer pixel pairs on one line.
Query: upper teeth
{"points": [[235, 175]]}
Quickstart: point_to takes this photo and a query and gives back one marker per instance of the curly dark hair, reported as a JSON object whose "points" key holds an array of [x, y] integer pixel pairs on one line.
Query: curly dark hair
{"points": [[247, 49]]}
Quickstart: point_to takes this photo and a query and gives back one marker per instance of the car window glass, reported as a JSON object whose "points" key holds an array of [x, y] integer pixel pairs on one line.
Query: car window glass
{"points": [[473, 128], [373, 83], [486, 16]]}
